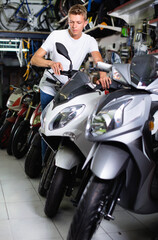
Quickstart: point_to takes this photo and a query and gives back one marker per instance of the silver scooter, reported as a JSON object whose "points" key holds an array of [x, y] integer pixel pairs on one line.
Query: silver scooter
{"points": [[63, 123], [124, 156]]}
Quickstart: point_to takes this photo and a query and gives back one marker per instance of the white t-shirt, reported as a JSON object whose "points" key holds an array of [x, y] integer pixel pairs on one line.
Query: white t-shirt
{"points": [[77, 49]]}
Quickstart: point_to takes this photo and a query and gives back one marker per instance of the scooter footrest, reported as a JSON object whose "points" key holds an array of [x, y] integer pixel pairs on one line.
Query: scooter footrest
{"points": [[108, 217]]}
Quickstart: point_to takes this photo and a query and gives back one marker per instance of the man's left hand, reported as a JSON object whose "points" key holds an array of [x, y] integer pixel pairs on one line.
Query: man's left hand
{"points": [[104, 80]]}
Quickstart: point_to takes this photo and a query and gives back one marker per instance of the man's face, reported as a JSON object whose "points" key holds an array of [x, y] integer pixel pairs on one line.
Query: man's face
{"points": [[76, 24]]}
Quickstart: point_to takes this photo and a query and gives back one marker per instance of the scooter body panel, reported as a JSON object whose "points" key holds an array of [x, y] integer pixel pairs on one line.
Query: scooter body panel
{"points": [[108, 161], [75, 128], [66, 158]]}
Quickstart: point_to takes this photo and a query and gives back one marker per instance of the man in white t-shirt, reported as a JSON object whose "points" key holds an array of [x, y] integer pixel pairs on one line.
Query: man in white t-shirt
{"points": [[78, 45]]}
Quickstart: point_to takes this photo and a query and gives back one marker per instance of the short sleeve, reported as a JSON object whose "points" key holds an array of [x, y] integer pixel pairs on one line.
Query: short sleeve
{"points": [[93, 45], [48, 44]]}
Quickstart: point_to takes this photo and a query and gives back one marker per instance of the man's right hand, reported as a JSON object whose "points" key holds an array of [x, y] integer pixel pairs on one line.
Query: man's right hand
{"points": [[57, 67]]}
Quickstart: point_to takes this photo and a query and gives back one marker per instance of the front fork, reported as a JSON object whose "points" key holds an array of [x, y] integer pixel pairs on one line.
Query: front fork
{"points": [[113, 198], [69, 158], [84, 182]]}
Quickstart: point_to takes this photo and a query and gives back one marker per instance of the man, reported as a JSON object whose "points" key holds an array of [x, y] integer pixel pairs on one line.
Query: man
{"points": [[78, 45]]}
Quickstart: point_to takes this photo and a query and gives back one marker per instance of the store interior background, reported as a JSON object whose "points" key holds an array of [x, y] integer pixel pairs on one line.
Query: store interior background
{"points": [[11, 73], [25, 224]]}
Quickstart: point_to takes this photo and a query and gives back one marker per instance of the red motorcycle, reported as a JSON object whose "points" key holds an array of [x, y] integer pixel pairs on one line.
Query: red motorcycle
{"points": [[20, 142], [16, 107]]}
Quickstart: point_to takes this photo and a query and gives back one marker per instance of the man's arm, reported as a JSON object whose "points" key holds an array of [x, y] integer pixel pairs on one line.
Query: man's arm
{"points": [[39, 61], [104, 79]]}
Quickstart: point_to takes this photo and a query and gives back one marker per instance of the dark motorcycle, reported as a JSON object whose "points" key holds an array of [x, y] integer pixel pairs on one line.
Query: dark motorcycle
{"points": [[20, 139]]}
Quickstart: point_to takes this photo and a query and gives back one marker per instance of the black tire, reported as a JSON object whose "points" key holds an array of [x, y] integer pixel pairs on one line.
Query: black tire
{"points": [[4, 114], [33, 161], [19, 143], [47, 173], [5, 131], [47, 20], [89, 212], [7, 20], [14, 128], [30, 137], [56, 191]]}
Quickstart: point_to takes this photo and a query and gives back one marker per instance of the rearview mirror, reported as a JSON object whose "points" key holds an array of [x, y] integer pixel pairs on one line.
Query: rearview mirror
{"points": [[61, 49]]}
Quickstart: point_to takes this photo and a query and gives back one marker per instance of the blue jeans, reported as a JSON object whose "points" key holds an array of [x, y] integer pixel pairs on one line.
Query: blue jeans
{"points": [[45, 99]]}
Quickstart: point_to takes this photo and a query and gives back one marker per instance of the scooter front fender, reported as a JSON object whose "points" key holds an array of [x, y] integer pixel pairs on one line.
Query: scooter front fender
{"points": [[109, 161], [66, 158]]}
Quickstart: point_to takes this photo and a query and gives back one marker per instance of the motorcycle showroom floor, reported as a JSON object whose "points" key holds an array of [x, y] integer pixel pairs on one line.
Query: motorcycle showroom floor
{"points": [[22, 216]]}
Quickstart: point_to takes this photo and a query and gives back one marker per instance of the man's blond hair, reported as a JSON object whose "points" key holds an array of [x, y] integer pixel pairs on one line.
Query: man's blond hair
{"points": [[78, 9]]}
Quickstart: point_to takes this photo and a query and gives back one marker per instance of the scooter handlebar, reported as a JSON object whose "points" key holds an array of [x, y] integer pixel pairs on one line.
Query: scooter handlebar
{"points": [[99, 87], [68, 73]]}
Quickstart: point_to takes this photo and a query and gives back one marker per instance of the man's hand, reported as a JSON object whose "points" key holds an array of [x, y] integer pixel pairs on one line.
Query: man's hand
{"points": [[104, 80], [56, 66]]}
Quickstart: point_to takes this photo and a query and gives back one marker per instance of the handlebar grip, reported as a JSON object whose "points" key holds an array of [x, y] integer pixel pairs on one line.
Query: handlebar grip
{"points": [[99, 87], [68, 73]]}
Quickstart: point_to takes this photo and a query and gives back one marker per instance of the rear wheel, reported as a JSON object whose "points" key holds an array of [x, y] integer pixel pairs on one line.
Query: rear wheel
{"points": [[8, 19], [90, 210], [33, 161], [56, 191]]}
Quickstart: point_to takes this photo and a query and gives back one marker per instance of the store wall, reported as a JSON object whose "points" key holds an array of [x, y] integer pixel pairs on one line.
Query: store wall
{"points": [[112, 42]]}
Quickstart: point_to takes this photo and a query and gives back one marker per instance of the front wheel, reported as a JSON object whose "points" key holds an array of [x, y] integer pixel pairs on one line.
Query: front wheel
{"points": [[33, 161], [5, 131], [56, 191], [6, 113], [47, 172], [19, 144], [15, 126], [89, 212]]}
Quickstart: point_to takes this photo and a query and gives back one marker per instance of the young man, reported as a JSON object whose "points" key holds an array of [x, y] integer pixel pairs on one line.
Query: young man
{"points": [[78, 45]]}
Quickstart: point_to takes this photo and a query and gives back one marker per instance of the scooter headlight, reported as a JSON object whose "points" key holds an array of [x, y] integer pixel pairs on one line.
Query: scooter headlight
{"points": [[65, 116], [43, 115], [35, 120], [108, 118]]}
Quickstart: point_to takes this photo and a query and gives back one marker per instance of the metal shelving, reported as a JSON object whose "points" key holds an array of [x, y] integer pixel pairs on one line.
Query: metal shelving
{"points": [[22, 34], [11, 45]]}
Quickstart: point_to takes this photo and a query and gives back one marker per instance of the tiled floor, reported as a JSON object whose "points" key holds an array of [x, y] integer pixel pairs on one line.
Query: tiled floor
{"points": [[22, 216]]}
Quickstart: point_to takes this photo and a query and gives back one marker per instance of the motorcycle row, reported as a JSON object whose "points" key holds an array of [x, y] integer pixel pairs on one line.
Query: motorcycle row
{"points": [[108, 142]]}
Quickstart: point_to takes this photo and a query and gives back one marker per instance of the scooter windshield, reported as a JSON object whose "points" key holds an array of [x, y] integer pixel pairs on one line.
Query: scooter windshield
{"points": [[144, 70], [76, 86]]}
